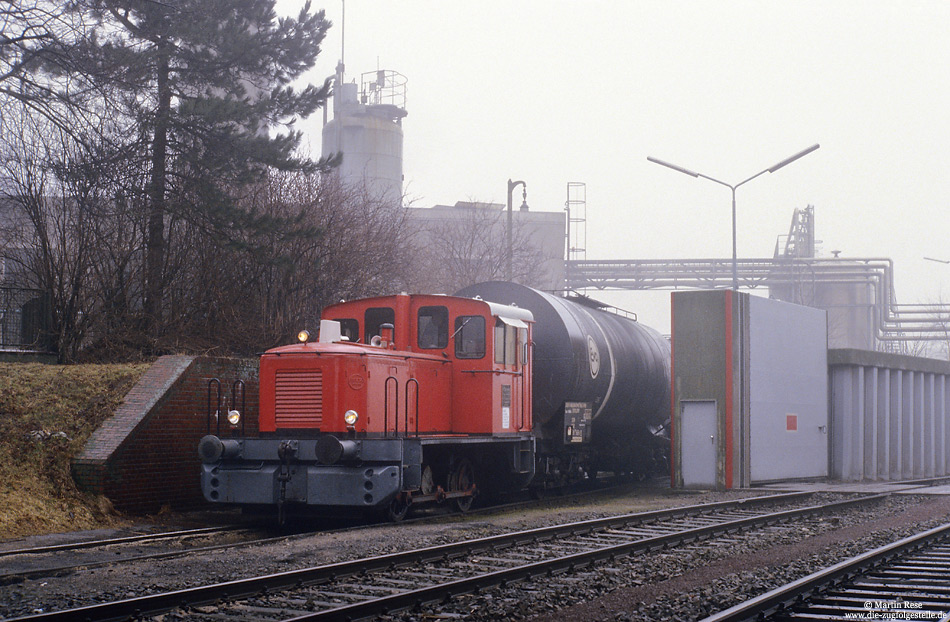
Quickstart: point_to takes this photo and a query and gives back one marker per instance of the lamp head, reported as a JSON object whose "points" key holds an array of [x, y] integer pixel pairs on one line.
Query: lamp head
{"points": [[790, 159]]}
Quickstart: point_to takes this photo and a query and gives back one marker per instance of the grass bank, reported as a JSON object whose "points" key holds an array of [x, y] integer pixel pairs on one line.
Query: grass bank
{"points": [[47, 413]]}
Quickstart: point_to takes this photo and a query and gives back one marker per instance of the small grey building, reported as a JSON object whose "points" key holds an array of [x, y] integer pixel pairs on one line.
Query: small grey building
{"points": [[750, 390]]}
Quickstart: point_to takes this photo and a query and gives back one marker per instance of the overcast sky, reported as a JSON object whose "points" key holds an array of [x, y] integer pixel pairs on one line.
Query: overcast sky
{"points": [[553, 92]]}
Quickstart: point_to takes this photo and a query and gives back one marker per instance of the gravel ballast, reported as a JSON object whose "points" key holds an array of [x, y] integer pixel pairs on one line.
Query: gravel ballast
{"points": [[685, 583]]}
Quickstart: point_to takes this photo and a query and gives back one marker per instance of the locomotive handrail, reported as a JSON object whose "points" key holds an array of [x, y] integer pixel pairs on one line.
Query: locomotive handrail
{"points": [[386, 407], [525, 402], [217, 411], [524, 399], [492, 371], [416, 382], [234, 388]]}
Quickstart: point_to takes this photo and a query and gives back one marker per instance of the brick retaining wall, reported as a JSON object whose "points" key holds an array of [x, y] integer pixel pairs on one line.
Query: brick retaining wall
{"points": [[146, 455]]}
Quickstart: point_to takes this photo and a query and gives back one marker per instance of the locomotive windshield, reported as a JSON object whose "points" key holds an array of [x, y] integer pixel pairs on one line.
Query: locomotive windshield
{"points": [[376, 317], [469, 337], [433, 327], [350, 329]]}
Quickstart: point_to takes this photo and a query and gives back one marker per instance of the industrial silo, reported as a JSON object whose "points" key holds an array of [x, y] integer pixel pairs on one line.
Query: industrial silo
{"points": [[367, 129]]}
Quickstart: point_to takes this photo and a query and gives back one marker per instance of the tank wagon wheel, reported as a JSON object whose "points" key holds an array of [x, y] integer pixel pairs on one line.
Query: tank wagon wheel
{"points": [[462, 477]]}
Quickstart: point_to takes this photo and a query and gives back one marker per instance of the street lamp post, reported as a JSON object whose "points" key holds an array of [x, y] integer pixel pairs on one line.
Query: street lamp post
{"points": [[771, 169], [524, 205]]}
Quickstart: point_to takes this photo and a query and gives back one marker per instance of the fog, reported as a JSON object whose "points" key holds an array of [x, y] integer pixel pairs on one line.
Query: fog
{"points": [[554, 92]]}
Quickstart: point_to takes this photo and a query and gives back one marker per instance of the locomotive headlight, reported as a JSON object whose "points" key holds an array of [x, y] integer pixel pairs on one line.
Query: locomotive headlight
{"points": [[234, 417], [303, 336], [351, 417]]}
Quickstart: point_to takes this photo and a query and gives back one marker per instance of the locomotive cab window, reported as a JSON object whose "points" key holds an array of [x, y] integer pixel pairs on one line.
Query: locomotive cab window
{"points": [[523, 343], [350, 329], [506, 343], [469, 337], [376, 317], [433, 328], [509, 334]]}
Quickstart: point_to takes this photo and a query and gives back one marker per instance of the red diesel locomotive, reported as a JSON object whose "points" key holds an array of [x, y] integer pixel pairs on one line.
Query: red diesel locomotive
{"points": [[421, 398]]}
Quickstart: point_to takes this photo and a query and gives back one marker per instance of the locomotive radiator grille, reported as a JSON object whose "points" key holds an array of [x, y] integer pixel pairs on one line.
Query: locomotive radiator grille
{"points": [[298, 398]]}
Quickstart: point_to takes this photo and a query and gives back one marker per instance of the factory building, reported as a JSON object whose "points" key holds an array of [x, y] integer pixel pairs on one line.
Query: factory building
{"points": [[466, 243]]}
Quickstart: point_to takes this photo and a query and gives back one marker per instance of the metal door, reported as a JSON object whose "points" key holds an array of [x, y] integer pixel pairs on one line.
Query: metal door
{"points": [[699, 443]]}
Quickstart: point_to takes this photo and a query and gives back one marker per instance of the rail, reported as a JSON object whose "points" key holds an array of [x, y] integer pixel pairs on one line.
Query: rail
{"points": [[590, 542], [848, 583]]}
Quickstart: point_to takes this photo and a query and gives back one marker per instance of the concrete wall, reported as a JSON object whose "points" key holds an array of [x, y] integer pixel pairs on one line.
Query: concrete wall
{"points": [[889, 416], [706, 365], [146, 455]]}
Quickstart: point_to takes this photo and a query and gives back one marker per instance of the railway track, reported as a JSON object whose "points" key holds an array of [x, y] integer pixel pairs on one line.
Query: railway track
{"points": [[378, 585], [906, 580], [59, 559], [17, 565]]}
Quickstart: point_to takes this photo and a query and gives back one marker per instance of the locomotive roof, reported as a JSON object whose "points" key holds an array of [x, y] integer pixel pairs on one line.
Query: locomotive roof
{"points": [[348, 348], [501, 310]]}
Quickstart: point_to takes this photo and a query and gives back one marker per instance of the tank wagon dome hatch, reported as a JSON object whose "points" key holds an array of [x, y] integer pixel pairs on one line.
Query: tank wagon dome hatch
{"points": [[585, 354]]}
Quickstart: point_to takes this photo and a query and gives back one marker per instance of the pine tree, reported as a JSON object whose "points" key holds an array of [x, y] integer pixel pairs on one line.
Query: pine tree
{"points": [[202, 93]]}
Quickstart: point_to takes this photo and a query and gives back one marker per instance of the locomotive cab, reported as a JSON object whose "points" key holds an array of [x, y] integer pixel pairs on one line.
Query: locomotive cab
{"points": [[402, 399]]}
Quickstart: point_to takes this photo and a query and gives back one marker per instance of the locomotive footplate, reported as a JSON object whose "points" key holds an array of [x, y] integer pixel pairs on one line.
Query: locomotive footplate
{"points": [[336, 472]]}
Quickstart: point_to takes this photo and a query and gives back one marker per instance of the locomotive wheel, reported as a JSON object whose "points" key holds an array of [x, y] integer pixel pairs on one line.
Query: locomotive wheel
{"points": [[397, 510], [462, 477]]}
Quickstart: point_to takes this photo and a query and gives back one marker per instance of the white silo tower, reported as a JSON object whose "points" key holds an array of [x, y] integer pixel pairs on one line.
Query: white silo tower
{"points": [[367, 129]]}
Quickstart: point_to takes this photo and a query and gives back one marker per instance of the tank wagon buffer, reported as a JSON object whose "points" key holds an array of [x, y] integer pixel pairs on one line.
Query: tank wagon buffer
{"points": [[401, 400], [416, 399], [601, 386]]}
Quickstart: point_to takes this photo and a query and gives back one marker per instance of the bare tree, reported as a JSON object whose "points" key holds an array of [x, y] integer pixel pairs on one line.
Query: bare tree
{"points": [[236, 288], [199, 91], [257, 288], [937, 343], [471, 248], [51, 239]]}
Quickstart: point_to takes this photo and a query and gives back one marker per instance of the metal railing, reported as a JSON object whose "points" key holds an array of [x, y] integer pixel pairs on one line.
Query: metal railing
{"points": [[24, 318]]}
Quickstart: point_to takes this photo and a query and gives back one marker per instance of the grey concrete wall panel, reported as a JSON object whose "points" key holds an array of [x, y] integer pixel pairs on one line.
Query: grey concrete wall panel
{"points": [[788, 391], [707, 364], [888, 416]]}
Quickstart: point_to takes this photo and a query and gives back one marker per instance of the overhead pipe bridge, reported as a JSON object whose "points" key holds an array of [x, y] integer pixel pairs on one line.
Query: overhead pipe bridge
{"points": [[891, 322]]}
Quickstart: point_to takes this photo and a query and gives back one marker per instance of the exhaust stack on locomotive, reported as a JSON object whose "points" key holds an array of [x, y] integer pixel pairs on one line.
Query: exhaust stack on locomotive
{"points": [[413, 399]]}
